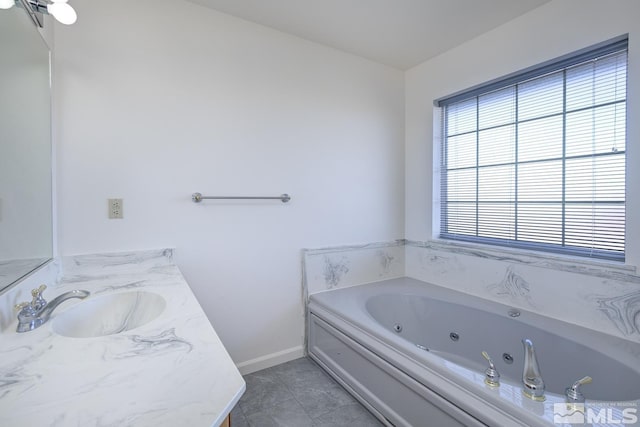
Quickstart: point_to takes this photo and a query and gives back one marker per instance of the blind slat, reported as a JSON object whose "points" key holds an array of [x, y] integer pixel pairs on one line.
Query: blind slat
{"points": [[540, 163], [614, 45]]}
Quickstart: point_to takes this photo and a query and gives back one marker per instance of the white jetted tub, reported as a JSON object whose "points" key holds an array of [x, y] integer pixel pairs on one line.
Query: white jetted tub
{"points": [[411, 352]]}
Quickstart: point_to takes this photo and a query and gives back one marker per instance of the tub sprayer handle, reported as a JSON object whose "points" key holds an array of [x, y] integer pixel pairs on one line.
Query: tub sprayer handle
{"points": [[573, 393], [492, 377]]}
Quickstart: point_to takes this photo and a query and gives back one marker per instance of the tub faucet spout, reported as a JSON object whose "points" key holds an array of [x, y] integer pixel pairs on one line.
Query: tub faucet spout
{"points": [[532, 383]]}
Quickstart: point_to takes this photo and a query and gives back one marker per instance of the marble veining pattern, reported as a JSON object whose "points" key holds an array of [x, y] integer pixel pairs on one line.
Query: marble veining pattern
{"points": [[598, 296], [622, 273], [174, 368], [348, 265], [12, 375], [334, 270], [166, 341], [386, 261], [439, 263], [356, 248], [138, 284], [623, 311], [513, 287], [126, 260]]}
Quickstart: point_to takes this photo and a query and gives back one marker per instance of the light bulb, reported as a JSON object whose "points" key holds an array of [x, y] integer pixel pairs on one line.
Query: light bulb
{"points": [[62, 11], [7, 4]]}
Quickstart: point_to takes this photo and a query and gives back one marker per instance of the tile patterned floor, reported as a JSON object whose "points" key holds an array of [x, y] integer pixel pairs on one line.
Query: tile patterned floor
{"points": [[298, 394]]}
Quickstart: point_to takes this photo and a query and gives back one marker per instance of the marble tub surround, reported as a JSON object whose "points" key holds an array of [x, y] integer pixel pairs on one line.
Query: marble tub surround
{"points": [[328, 268], [598, 295], [170, 371], [349, 265]]}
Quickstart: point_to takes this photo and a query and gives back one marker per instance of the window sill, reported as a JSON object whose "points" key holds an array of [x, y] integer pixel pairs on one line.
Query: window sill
{"points": [[567, 263]]}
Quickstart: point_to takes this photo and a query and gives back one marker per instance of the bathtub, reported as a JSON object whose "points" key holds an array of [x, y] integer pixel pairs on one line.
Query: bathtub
{"points": [[411, 353]]}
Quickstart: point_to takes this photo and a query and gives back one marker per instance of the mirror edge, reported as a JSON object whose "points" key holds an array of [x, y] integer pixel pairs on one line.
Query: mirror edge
{"points": [[45, 32]]}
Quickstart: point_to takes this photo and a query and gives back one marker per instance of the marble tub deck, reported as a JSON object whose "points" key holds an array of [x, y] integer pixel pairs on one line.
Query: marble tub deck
{"points": [[171, 371]]}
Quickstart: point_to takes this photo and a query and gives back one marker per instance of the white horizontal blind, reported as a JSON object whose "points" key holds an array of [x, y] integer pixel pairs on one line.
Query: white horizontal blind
{"points": [[540, 163]]}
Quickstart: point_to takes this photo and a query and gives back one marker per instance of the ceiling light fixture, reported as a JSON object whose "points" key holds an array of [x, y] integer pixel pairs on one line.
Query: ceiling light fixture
{"points": [[59, 9], [62, 11], [7, 4]]}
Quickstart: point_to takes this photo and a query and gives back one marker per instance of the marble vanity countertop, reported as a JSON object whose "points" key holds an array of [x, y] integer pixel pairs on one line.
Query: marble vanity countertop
{"points": [[172, 371]]}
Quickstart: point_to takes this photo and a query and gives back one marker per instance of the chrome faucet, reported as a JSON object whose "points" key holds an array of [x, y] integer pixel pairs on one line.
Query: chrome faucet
{"points": [[532, 383], [491, 374], [36, 313], [573, 393]]}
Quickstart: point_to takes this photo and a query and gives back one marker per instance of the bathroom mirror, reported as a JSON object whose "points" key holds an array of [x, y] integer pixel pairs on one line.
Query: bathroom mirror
{"points": [[25, 148]]}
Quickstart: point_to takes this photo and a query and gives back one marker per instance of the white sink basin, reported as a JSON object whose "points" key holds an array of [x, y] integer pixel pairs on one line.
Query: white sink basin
{"points": [[109, 314]]}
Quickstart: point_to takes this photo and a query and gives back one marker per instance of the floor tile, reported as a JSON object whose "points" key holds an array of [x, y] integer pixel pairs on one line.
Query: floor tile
{"points": [[320, 399], [237, 418], [316, 379], [295, 368], [283, 414], [352, 415], [298, 394], [264, 390]]}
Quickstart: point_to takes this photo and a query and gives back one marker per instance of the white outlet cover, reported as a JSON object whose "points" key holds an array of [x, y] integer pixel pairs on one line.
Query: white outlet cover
{"points": [[115, 209]]}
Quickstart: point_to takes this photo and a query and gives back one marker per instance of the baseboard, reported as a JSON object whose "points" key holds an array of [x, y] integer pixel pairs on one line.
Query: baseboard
{"points": [[270, 360]]}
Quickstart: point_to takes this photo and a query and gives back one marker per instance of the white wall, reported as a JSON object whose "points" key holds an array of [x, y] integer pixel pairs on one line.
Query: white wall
{"points": [[159, 99], [557, 28]]}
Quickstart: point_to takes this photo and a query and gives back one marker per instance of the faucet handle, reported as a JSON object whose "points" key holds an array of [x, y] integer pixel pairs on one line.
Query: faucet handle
{"points": [[26, 308], [36, 293], [573, 393], [38, 302], [21, 305], [492, 377]]}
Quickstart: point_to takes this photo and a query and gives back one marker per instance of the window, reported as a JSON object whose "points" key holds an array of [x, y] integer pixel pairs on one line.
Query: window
{"points": [[537, 160]]}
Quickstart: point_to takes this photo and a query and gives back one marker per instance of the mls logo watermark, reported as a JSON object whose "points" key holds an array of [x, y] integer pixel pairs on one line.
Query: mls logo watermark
{"points": [[596, 413]]}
